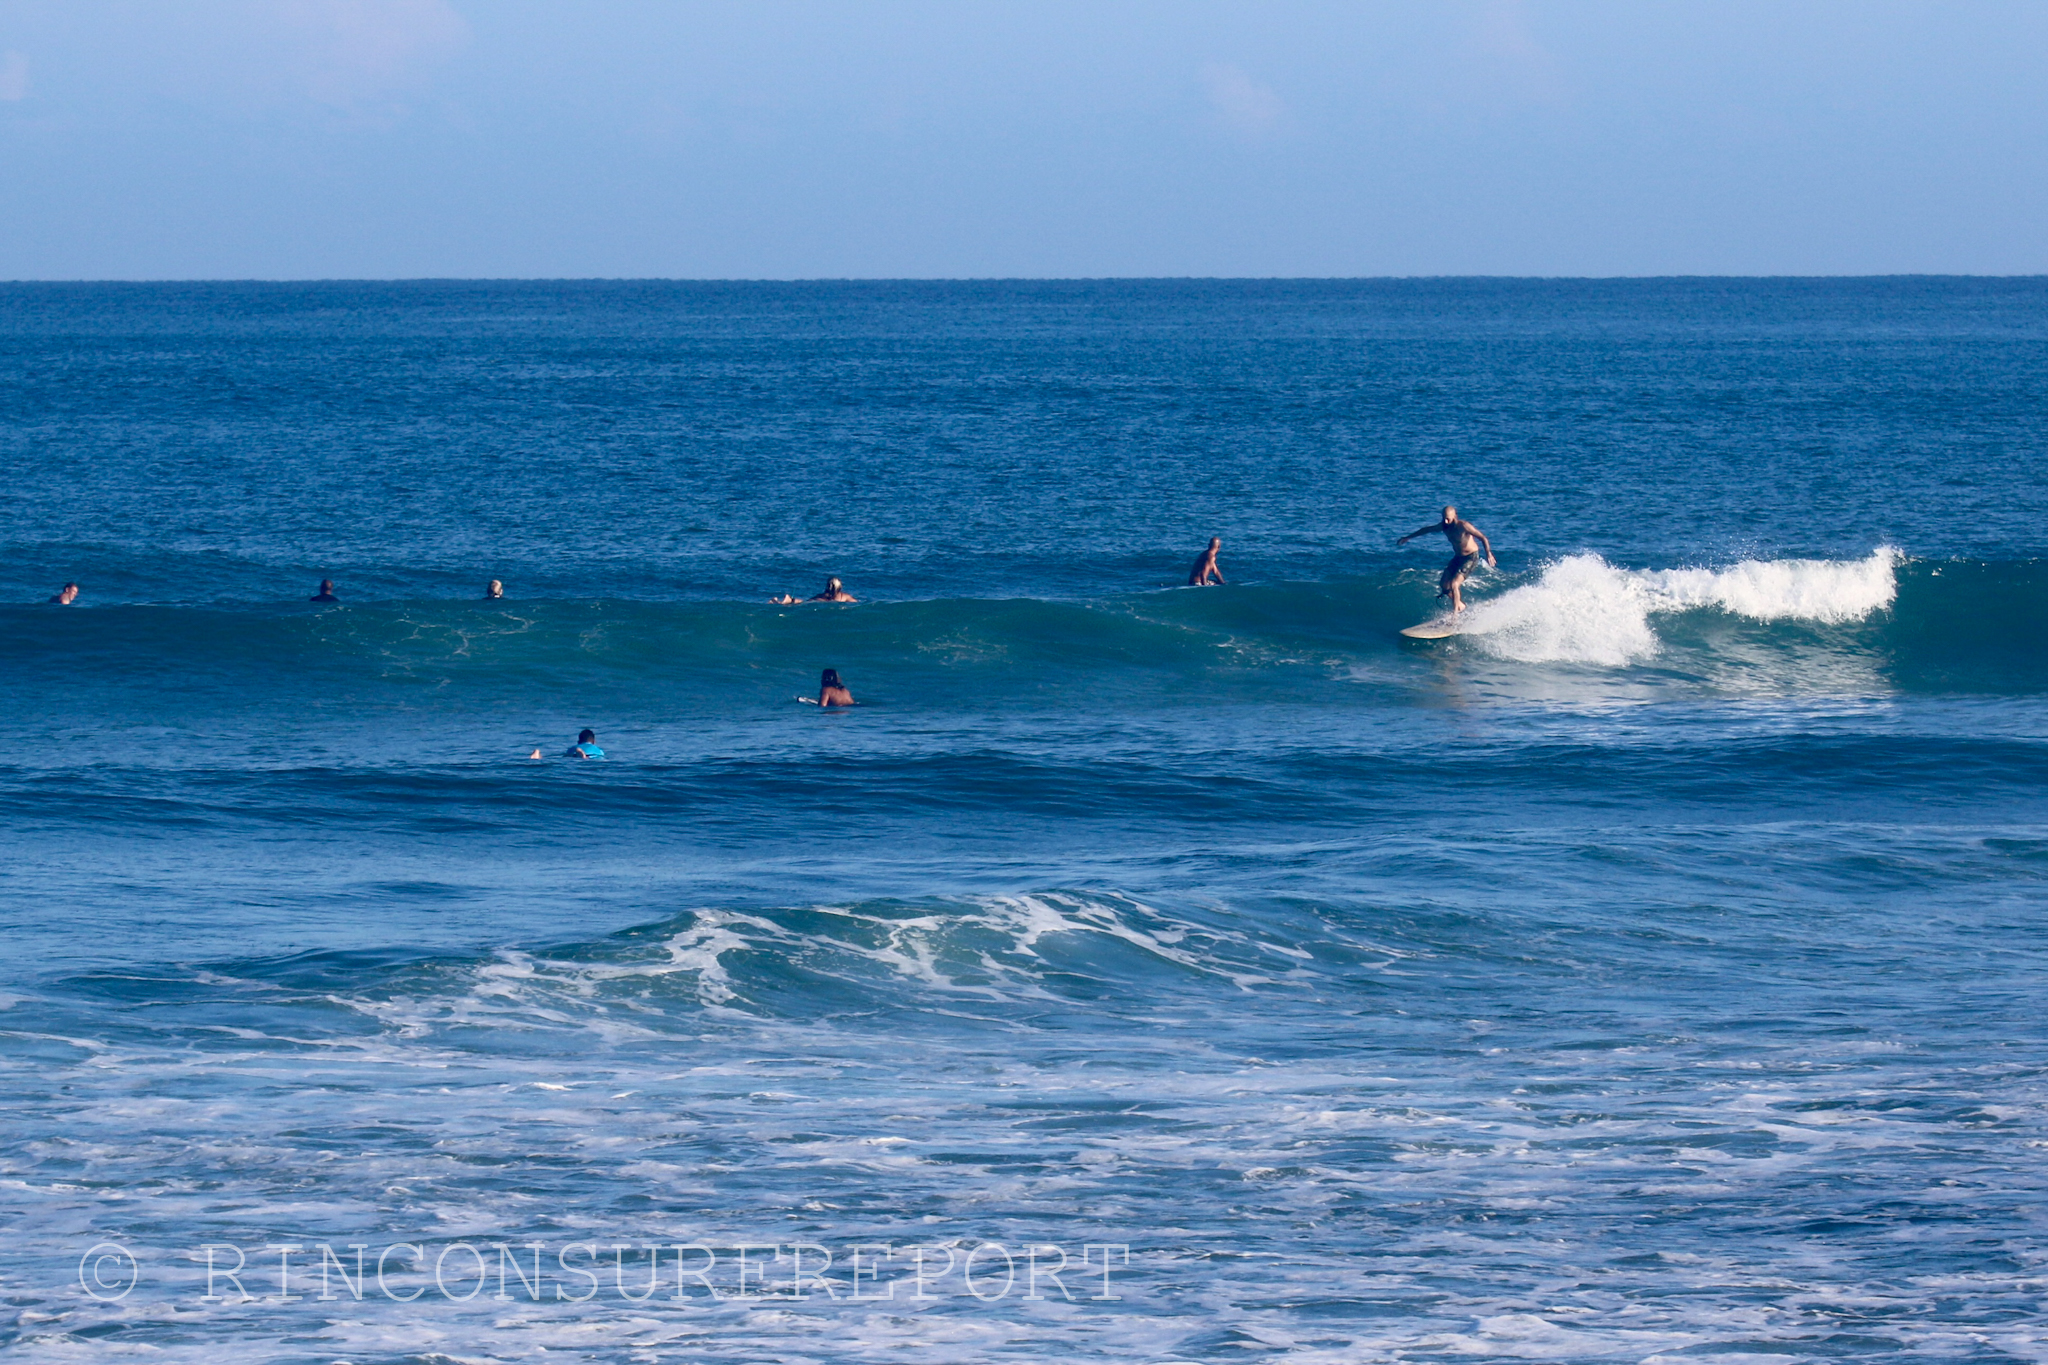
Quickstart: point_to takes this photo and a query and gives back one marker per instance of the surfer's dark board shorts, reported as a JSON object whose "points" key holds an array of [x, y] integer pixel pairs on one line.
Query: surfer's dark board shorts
{"points": [[1459, 566]]}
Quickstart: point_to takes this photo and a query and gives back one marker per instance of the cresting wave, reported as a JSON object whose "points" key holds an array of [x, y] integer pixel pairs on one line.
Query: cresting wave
{"points": [[1882, 622], [1584, 610]]}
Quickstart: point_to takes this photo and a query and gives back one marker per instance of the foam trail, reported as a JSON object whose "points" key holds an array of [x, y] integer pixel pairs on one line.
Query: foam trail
{"points": [[1585, 610]]}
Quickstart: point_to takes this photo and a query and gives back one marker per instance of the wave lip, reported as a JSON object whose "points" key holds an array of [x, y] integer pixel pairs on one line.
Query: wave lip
{"points": [[1584, 610]]}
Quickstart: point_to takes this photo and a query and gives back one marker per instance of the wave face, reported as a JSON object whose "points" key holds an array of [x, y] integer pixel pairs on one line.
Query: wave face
{"points": [[1649, 972], [1874, 626]]}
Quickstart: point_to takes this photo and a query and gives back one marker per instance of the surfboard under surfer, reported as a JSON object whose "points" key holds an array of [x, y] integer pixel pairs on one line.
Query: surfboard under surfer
{"points": [[1466, 542]]}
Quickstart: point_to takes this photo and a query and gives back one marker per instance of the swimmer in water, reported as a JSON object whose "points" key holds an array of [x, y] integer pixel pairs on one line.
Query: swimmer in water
{"points": [[66, 595], [326, 593], [1205, 571], [831, 692], [584, 747], [1465, 541], [494, 591], [833, 593]]}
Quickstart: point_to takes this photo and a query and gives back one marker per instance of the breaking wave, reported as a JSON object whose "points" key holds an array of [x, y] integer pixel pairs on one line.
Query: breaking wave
{"points": [[1584, 610]]}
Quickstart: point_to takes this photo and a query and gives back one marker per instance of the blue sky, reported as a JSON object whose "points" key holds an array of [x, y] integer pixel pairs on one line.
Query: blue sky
{"points": [[152, 139]]}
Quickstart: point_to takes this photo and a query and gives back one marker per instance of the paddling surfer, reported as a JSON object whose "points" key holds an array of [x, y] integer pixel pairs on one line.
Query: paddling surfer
{"points": [[835, 591], [831, 692], [1205, 571], [1466, 542]]}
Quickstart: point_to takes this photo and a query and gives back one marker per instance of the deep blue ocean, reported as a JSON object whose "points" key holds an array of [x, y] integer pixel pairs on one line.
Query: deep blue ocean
{"points": [[1655, 970]]}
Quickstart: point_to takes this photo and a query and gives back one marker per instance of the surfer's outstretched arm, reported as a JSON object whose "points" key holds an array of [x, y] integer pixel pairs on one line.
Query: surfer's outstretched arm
{"points": [[1433, 526]]}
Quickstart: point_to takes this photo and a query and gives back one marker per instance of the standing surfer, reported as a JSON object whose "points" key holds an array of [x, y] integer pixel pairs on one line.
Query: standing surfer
{"points": [[1205, 571], [1466, 540]]}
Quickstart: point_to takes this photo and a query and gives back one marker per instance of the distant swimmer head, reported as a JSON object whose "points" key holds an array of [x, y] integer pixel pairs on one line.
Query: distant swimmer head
{"points": [[66, 595], [326, 593], [830, 679], [494, 589], [586, 736], [833, 585]]}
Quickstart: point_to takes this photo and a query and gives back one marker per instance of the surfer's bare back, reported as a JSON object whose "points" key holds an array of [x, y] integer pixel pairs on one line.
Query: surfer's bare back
{"points": [[1466, 540]]}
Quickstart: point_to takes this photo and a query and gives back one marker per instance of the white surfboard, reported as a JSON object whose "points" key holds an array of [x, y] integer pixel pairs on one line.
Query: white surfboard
{"points": [[1440, 629]]}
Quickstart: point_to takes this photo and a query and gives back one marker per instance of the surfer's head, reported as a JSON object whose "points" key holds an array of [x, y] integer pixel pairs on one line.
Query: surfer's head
{"points": [[1450, 514], [830, 679], [831, 585], [586, 737], [494, 589], [1215, 542]]}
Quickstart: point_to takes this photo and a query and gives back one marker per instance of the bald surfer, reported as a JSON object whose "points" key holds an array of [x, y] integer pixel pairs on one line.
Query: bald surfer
{"points": [[1466, 542]]}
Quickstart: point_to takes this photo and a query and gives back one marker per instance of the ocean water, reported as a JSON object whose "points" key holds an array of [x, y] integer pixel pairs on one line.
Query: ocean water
{"points": [[1653, 971]]}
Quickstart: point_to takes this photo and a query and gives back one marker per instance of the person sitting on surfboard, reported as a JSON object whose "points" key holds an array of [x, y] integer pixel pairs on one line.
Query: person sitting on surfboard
{"points": [[1466, 540], [1205, 571], [831, 691], [585, 746], [833, 593]]}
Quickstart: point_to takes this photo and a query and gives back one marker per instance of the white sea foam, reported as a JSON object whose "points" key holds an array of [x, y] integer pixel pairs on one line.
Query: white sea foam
{"points": [[1584, 610]]}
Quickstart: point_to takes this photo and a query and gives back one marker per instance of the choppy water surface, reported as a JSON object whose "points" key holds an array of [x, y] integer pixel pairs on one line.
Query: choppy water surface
{"points": [[1651, 971]]}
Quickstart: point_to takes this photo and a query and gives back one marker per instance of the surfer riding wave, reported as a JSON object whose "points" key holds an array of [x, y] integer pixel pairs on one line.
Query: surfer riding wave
{"points": [[1466, 542]]}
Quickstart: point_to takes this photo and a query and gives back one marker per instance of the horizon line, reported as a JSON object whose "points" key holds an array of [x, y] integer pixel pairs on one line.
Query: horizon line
{"points": [[990, 279]]}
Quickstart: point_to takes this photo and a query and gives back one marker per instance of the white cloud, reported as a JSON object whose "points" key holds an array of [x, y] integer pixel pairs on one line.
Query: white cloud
{"points": [[14, 76], [1241, 103]]}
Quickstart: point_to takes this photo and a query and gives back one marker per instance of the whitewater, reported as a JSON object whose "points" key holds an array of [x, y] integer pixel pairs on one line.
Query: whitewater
{"points": [[1584, 610], [1648, 972]]}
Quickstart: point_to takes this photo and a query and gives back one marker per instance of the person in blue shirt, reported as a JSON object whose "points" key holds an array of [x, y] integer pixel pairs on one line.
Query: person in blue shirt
{"points": [[585, 746]]}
